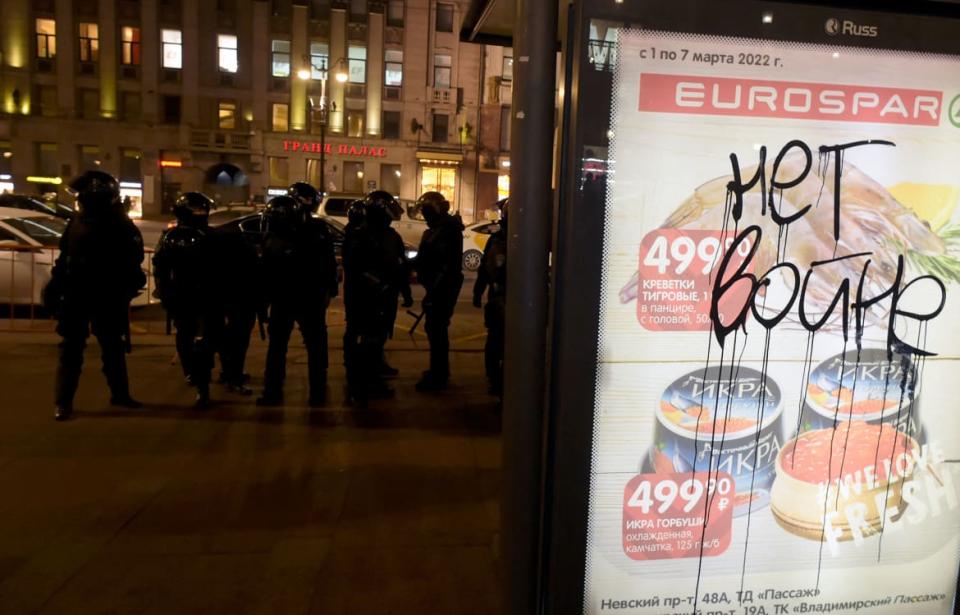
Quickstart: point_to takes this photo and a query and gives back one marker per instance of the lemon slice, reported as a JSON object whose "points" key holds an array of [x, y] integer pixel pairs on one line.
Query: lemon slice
{"points": [[931, 202]]}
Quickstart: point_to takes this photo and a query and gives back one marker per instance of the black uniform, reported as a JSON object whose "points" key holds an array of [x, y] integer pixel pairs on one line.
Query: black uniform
{"points": [[438, 265], [300, 278], [96, 274], [238, 282], [186, 285], [492, 279], [377, 273]]}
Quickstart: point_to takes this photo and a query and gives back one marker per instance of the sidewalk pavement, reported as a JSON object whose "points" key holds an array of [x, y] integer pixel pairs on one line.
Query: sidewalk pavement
{"points": [[245, 510]]}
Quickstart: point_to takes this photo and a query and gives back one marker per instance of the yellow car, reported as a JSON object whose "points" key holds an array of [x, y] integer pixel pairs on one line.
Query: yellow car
{"points": [[475, 239]]}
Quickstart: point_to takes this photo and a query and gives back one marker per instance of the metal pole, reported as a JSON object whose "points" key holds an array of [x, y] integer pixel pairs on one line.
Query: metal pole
{"points": [[528, 244], [323, 130]]}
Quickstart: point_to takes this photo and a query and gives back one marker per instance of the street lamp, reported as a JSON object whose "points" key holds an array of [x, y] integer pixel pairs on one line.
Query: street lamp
{"points": [[341, 75]]}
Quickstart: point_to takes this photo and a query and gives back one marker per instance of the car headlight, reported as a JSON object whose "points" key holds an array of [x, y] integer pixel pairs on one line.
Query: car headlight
{"points": [[411, 254]]}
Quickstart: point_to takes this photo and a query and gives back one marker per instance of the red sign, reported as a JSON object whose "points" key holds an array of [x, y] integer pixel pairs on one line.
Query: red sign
{"points": [[313, 147], [668, 516], [798, 100]]}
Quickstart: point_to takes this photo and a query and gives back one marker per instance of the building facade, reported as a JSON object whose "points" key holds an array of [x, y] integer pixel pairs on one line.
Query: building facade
{"points": [[235, 97]]}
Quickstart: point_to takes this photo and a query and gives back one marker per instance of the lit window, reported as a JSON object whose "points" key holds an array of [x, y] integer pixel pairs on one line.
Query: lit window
{"points": [[507, 72], [281, 117], [357, 60], [89, 157], [130, 46], [281, 58], [279, 170], [439, 179], [46, 38], [89, 42], [47, 162], [444, 18], [319, 59], [130, 165], [394, 67], [227, 115], [441, 71], [227, 59], [172, 48], [355, 123]]}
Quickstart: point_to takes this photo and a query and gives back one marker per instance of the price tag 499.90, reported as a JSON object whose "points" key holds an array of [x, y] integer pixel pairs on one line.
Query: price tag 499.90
{"points": [[677, 515]]}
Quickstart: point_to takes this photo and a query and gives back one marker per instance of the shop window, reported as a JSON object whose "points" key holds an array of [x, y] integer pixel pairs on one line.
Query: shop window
{"points": [[441, 126], [439, 179], [444, 17], [89, 42], [357, 64], [506, 72], [281, 117], [393, 73], [227, 57], [130, 165], [131, 106], [89, 157], [130, 46], [391, 124], [46, 38], [353, 177], [503, 186], [355, 123], [227, 115], [279, 168], [171, 109], [390, 178], [395, 13], [89, 104], [441, 71], [47, 163], [172, 48], [280, 51], [319, 59]]}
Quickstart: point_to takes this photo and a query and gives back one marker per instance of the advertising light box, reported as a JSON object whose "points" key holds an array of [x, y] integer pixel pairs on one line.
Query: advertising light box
{"points": [[777, 418]]}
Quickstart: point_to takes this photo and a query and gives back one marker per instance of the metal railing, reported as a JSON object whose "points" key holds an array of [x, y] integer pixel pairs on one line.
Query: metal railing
{"points": [[25, 271]]}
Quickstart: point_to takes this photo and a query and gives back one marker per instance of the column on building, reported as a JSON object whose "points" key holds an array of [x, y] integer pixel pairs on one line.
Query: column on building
{"points": [[108, 58], [338, 53], [258, 175], [66, 57], [192, 59], [300, 60], [375, 23]]}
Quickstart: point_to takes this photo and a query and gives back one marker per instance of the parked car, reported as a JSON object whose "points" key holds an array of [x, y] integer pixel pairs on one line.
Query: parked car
{"points": [[28, 247], [34, 203], [475, 238], [405, 219], [251, 226]]}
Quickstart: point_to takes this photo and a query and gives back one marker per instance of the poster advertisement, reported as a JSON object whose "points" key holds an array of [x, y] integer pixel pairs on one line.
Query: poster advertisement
{"points": [[777, 420]]}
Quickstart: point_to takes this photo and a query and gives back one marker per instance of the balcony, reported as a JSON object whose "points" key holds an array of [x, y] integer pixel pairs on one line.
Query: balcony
{"points": [[220, 141], [441, 96]]}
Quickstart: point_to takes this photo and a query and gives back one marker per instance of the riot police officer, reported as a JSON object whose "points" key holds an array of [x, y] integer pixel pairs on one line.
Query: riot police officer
{"points": [[377, 274], [438, 264], [300, 272], [97, 273], [492, 279], [183, 267]]}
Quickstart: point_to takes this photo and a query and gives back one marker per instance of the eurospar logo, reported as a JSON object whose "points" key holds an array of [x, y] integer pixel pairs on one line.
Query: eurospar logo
{"points": [[834, 26], [701, 95]]}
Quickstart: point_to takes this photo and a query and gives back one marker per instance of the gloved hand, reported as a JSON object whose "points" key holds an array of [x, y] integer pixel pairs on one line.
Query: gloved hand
{"points": [[478, 301]]}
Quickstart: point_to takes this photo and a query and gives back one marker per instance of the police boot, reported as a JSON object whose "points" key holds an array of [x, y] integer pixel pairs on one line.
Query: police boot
{"points": [[270, 399], [431, 382], [203, 397], [63, 413]]}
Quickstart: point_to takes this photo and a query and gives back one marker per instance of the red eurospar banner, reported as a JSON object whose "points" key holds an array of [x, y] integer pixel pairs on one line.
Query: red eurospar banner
{"points": [[703, 95]]}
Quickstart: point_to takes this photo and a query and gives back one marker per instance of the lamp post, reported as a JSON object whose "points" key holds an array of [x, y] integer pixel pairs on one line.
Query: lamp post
{"points": [[341, 77]]}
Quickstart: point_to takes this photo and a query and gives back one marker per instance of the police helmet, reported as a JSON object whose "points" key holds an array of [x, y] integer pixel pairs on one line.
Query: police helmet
{"points": [[432, 203], [378, 205], [282, 214], [181, 237], [193, 209], [306, 196], [95, 191], [357, 213]]}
